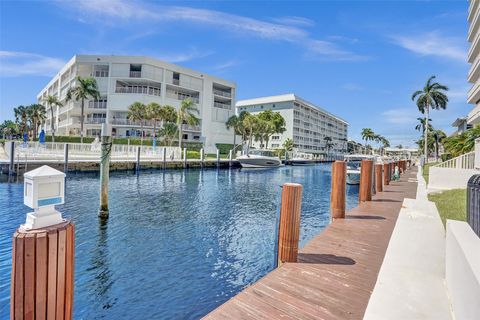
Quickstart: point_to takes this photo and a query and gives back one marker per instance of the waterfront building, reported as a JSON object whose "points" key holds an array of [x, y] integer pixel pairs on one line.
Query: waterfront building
{"points": [[123, 80], [474, 59], [461, 125], [306, 124]]}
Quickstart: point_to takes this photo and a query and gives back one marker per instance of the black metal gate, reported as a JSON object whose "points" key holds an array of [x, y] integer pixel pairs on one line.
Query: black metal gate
{"points": [[473, 203]]}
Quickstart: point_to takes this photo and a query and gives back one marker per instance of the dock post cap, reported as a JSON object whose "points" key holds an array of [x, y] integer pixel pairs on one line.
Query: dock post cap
{"points": [[44, 188], [292, 184]]}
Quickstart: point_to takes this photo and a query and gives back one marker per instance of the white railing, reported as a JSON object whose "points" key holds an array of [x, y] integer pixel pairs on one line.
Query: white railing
{"points": [[89, 151], [222, 105], [465, 161], [135, 74], [222, 93]]}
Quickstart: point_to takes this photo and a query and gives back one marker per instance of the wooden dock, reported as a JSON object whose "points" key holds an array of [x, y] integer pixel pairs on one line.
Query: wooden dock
{"points": [[337, 270]]}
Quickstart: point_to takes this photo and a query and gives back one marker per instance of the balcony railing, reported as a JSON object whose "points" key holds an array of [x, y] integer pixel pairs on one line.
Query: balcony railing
{"points": [[95, 120], [187, 127], [181, 97], [97, 104], [127, 122], [69, 121], [154, 91], [176, 82], [100, 74], [222, 93], [135, 74], [222, 105]]}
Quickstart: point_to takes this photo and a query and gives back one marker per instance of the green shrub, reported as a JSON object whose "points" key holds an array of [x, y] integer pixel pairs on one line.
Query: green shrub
{"points": [[191, 154], [226, 147], [446, 156]]}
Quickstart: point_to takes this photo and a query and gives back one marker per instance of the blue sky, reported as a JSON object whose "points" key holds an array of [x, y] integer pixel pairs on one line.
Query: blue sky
{"points": [[359, 60]]}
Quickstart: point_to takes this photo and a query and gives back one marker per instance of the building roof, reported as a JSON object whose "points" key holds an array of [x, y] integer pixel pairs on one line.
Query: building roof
{"points": [[459, 121], [283, 98]]}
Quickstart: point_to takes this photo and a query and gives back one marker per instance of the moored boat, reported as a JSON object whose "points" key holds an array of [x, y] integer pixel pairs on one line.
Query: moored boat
{"points": [[302, 159], [354, 162], [259, 159]]}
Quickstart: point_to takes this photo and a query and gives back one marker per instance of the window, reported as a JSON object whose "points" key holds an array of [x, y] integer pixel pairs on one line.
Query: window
{"points": [[176, 78], [135, 71]]}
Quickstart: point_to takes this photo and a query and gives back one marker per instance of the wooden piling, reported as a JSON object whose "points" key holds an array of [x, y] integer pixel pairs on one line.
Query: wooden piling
{"points": [[379, 177], [366, 174], [103, 212], [230, 157], [202, 157], [43, 273], [218, 158], [184, 157], [137, 166], [289, 226], [65, 158], [386, 174], [164, 157], [337, 196], [11, 166]]}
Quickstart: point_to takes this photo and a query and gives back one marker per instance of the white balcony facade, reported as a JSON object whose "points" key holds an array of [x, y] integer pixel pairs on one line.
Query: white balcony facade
{"points": [[123, 80], [306, 124], [474, 58]]}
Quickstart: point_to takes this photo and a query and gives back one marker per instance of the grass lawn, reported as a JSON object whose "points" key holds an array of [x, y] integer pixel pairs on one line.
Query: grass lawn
{"points": [[451, 204], [426, 169]]}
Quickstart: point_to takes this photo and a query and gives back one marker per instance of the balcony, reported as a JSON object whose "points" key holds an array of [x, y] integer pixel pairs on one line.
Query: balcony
{"points": [[222, 105], [100, 74], [473, 9], [101, 104], [474, 25], [153, 91], [474, 73], [176, 82], [187, 127], [127, 122], [222, 93], [177, 95], [474, 115], [474, 94], [95, 120], [69, 121], [474, 49], [135, 74]]}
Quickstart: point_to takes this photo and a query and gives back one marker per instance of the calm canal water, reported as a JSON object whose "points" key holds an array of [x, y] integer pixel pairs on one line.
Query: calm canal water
{"points": [[178, 243]]}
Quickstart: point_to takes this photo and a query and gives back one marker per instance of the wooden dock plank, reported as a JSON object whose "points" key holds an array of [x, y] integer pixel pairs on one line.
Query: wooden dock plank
{"points": [[336, 271]]}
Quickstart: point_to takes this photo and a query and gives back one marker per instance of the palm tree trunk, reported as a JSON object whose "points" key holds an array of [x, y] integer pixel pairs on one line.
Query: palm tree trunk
{"points": [[425, 141], [81, 121], [180, 135], [52, 124]]}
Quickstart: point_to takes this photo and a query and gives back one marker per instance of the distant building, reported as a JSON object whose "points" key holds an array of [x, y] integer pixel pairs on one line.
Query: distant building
{"points": [[461, 125], [123, 80], [474, 59], [307, 125]]}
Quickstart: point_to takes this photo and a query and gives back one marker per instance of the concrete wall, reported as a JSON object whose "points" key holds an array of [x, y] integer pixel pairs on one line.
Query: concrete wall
{"points": [[477, 154], [463, 270], [449, 178]]}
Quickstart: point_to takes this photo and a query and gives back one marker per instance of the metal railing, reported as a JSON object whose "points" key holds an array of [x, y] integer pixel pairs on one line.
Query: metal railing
{"points": [[222, 105], [465, 161], [135, 74], [222, 93], [154, 91], [100, 74], [102, 104], [95, 120], [187, 127], [89, 151], [127, 122]]}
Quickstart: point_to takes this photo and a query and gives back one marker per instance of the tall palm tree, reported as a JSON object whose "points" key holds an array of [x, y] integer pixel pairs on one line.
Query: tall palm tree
{"points": [[249, 123], [432, 96], [367, 135], [328, 143], [288, 144], [137, 111], [52, 101], [21, 117], [168, 114], [85, 88], [186, 114], [235, 123], [438, 137], [37, 115]]}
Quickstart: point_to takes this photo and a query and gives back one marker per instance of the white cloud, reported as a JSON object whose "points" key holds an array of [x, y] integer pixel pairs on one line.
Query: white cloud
{"points": [[152, 13], [14, 64], [295, 21], [225, 65], [434, 44], [194, 53]]}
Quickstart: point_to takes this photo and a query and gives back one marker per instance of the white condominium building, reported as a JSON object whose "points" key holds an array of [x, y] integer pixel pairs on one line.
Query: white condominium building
{"points": [[307, 125], [474, 59], [123, 80]]}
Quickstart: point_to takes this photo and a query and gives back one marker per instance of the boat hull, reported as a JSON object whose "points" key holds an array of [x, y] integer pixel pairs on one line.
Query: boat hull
{"points": [[303, 162], [353, 177], [259, 162]]}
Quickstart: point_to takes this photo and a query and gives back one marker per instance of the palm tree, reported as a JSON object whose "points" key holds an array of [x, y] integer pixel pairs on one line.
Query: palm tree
{"points": [[234, 122], [21, 117], [186, 114], [328, 143], [85, 88], [137, 111], [438, 136], [169, 131], [153, 111], [249, 123], [288, 144], [431, 96], [421, 125], [275, 123], [52, 101], [8, 128], [367, 135], [37, 115], [168, 114]]}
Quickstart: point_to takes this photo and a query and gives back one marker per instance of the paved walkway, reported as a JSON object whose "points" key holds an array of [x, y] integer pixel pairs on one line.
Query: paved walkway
{"points": [[337, 270], [411, 283]]}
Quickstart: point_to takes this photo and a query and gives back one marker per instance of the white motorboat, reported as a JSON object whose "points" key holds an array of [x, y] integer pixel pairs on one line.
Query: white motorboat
{"points": [[302, 159], [260, 159], [354, 162]]}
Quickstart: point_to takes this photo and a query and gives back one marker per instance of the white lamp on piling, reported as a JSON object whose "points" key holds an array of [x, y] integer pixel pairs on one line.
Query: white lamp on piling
{"points": [[44, 188]]}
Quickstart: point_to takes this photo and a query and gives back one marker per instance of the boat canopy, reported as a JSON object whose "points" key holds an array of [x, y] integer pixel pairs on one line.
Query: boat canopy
{"points": [[263, 153], [358, 157]]}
